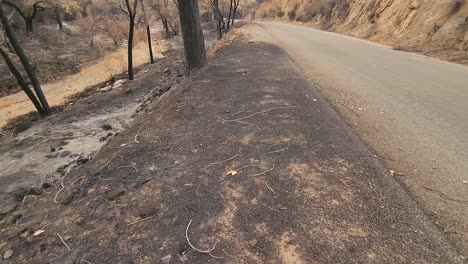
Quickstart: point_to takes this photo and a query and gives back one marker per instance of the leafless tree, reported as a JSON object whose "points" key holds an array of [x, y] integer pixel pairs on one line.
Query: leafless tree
{"points": [[148, 31], [28, 13], [132, 11], [40, 102]]}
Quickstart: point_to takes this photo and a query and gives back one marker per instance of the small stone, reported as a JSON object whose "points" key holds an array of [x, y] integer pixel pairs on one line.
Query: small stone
{"points": [[392, 172], [115, 194], [167, 71], [65, 153], [106, 89], [8, 253], [167, 259], [120, 82], [106, 127], [465, 182]]}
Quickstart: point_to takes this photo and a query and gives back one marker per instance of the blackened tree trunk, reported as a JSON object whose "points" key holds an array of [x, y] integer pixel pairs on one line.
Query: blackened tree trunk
{"points": [[21, 82], [24, 60], [230, 14], [131, 16], [166, 26], [194, 44], [217, 19], [28, 17], [148, 32], [236, 5], [58, 17]]}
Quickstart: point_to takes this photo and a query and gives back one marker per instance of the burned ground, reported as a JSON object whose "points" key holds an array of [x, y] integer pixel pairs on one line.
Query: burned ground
{"points": [[253, 158]]}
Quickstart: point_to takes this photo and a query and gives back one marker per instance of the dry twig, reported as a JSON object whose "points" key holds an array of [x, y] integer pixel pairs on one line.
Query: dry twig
{"points": [[63, 242], [130, 167], [240, 120], [196, 249], [279, 150], [53, 259], [221, 162], [261, 173], [136, 139], [269, 188], [141, 220]]}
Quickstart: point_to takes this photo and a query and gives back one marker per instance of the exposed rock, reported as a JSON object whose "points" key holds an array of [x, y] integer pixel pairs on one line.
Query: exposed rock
{"points": [[167, 71], [65, 153], [115, 194], [106, 127], [8, 253], [167, 259], [106, 89]]}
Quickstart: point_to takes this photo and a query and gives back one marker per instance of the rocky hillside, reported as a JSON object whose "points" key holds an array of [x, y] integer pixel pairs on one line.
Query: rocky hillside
{"points": [[434, 27]]}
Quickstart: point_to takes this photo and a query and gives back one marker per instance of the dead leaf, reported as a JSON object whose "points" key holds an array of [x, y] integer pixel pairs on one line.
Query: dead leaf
{"points": [[232, 172], [38, 232]]}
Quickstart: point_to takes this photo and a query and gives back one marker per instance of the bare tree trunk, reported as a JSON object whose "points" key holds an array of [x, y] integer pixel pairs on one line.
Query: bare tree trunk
{"points": [[148, 32], [24, 61], [58, 17], [236, 4], [230, 13], [21, 82], [166, 27], [194, 44], [218, 22], [130, 48], [131, 16]]}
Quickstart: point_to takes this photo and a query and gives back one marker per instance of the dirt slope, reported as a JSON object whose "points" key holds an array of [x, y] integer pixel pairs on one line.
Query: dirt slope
{"points": [[435, 27]]}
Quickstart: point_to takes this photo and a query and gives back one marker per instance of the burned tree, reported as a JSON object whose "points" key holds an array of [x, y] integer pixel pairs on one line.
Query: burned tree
{"points": [[148, 31], [44, 109], [194, 45], [167, 13], [218, 18], [27, 13], [132, 10]]}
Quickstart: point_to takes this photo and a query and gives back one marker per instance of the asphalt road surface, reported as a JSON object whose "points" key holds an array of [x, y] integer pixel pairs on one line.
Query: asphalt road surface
{"points": [[410, 109]]}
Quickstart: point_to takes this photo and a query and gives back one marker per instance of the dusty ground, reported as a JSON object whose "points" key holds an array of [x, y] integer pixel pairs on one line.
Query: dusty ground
{"points": [[244, 161]]}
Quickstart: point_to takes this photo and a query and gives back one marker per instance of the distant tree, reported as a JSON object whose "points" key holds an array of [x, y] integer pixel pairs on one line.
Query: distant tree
{"points": [[28, 10], [194, 44], [148, 31], [132, 11], [167, 13], [40, 102]]}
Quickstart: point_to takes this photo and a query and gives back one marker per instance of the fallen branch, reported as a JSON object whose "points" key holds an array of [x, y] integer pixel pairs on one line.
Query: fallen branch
{"points": [[130, 167], [53, 259], [257, 113], [279, 150], [63, 242], [269, 188], [196, 249], [139, 221], [66, 190]]}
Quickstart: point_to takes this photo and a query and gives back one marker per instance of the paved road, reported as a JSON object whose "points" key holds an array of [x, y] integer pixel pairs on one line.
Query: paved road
{"points": [[413, 113]]}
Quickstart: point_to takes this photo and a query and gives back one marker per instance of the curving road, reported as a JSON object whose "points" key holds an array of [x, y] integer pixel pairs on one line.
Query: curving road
{"points": [[410, 109]]}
